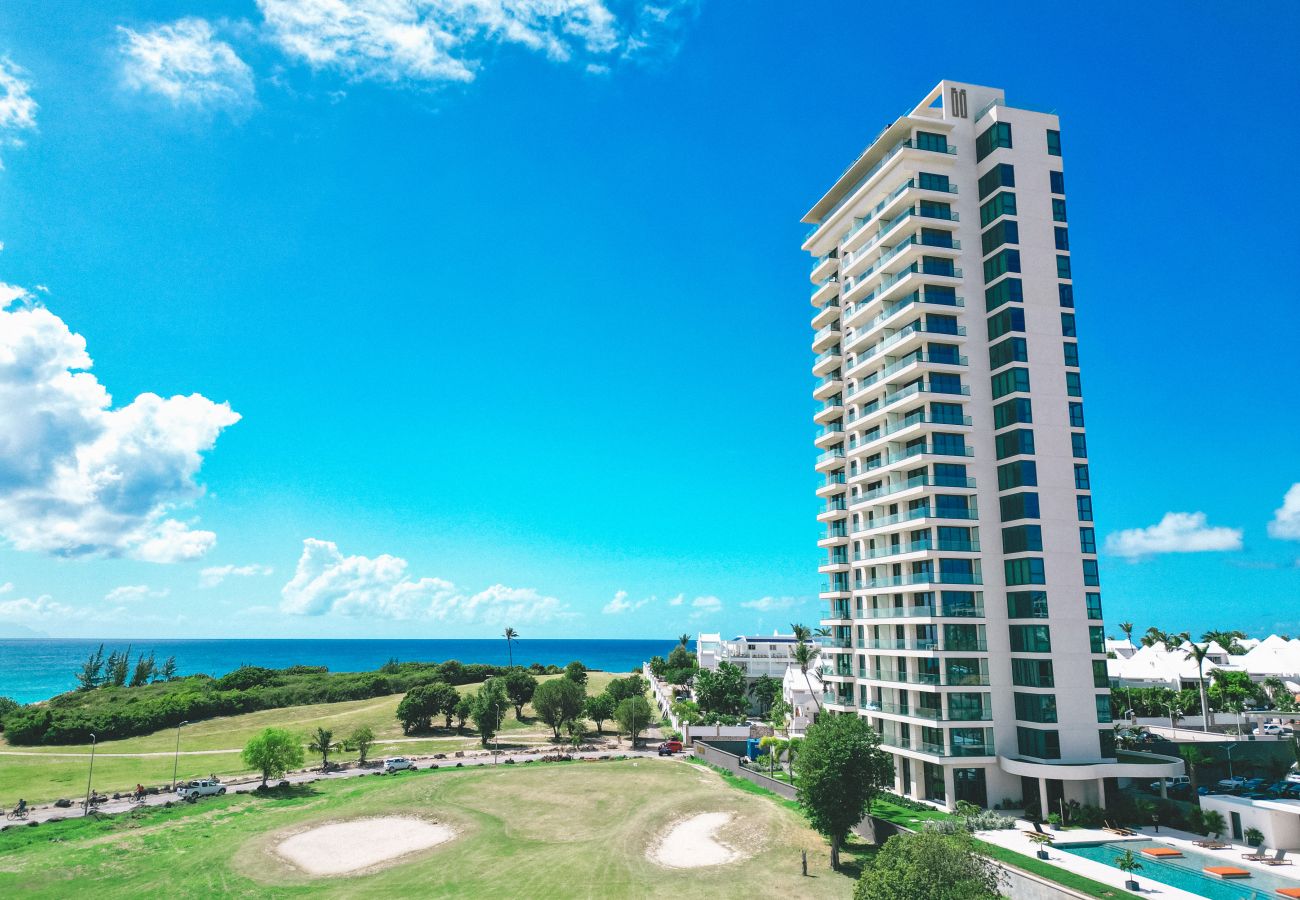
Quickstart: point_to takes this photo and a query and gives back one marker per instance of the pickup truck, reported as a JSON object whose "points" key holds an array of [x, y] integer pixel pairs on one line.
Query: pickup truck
{"points": [[204, 787]]}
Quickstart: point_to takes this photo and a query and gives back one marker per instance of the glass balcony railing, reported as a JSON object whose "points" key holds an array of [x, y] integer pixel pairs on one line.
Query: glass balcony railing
{"points": [[921, 512], [892, 309], [920, 481], [918, 546], [935, 611], [849, 194], [826, 354], [830, 455], [919, 578], [827, 430]]}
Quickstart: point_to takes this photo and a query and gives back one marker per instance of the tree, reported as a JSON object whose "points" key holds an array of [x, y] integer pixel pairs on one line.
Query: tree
{"points": [[599, 709], [511, 637], [1127, 863], [1214, 823], [322, 742], [168, 670], [722, 690], [1176, 711], [774, 746], [359, 742], [1228, 640], [840, 769], [929, 866], [464, 707], [418, 707], [520, 687], [90, 676], [1199, 652], [273, 752], [633, 716], [577, 673], [765, 690], [1195, 757], [1127, 629], [119, 667], [779, 715], [684, 641], [804, 655], [631, 686], [488, 708], [558, 702], [443, 699], [144, 669]]}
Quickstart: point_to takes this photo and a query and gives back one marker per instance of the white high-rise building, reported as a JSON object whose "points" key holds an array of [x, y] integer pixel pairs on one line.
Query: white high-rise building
{"points": [[961, 566]]}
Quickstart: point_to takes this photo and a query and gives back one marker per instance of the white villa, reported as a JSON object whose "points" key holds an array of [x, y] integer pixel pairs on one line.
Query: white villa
{"points": [[1174, 668]]}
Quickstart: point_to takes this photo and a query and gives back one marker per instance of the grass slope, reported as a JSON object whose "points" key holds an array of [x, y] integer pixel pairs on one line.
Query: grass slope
{"points": [[53, 772], [536, 831]]}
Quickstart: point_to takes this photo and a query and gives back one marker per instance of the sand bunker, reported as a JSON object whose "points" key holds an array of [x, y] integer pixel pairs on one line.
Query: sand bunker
{"points": [[690, 844], [345, 847]]}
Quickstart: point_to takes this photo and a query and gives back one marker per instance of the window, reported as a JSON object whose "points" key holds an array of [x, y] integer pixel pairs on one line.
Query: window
{"points": [[1010, 380], [1019, 506], [1022, 539], [1062, 267], [946, 414], [1073, 386], [1036, 707], [1012, 319], [1084, 503], [1003, 175], [1038, 743], [1012, 412], [931, 182], [1100, 675], [1081, 480], [1078, 443], [1071, 354], [937, 265], [933, 209], [1024, 571], [1002, 204], [1036, 672], [1030, 638], [1067, 325], [1058, 182], [943, 383], [996, 135], [1093, 601], [1004, 232], [1062, 238], [1087, 544], [928, 140], [1076, 415], [947, 444], [1015, 442], [1066, 292], [1001, 263], [1097, 640], [1090, 576], [1106, 740], [1011, 350], [1058, 210], [1017, 474], [1008, 290], [1053, 142], [1103, 708], [1026, 605]]}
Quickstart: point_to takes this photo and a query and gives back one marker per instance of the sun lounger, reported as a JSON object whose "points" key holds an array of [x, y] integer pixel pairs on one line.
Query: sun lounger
{"points": [[1279, 859], [1226, 872], [1162, 852], [1211, 845], [1117, 829], [1258, 856]]}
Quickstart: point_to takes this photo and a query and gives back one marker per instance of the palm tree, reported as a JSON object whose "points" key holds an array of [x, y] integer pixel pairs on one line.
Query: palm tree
{"points": [[1228, 640], [1236, 707], [1154, 636], [511, 637], [1175, 709], [1127, 628], [764, 689], [801, 632], [1195, 757], [805, 657], [823, 631], [323, 743], [1199, 652]]}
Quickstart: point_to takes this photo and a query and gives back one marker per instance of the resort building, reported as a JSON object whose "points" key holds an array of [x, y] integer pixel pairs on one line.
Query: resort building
{"points": [[956, 503], [756, 656]]}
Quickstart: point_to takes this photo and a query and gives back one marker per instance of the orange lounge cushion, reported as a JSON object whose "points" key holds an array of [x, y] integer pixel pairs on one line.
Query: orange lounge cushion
{"points": [[1227, 871], [1162, 852], [1289, 892]]}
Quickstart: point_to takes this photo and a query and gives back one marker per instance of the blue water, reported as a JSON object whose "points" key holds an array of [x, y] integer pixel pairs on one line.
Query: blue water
{"points": [[1186, 873], [36, 669]]}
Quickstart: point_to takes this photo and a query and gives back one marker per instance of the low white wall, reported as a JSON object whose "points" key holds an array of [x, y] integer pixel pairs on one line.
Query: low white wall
{"points": [[1279, 822]]}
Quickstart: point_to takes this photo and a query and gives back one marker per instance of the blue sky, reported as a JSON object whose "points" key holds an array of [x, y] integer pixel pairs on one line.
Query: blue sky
{"points": [[507, 321]]}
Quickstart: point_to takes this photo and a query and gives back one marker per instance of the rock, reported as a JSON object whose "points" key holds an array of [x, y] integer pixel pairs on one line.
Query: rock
{"points": [[460, 753], [62, 803]]}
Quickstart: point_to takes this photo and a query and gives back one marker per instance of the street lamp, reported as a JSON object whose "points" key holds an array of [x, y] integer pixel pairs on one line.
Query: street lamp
{"points": [[176, 758], [91, 774], [1231, 747]]}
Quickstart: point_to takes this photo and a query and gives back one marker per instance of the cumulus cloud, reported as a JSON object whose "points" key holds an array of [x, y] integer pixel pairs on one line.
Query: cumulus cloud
{"points": [[130, 592], [1286, 518], [328, 582], [25, 611], [769, 604], [620, 604], [185, 63], [6, 587], [678, 600], [1175, 533], [80, 478], [431, 41], [710, 604], [214, 575], [17, 108]]}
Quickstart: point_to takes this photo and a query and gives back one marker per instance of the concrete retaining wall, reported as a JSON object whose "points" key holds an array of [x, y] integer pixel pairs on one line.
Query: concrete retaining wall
{"points": [[731, 762]]}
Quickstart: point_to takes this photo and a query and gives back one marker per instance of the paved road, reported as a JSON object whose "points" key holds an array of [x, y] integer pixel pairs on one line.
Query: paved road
{"points": [[472, 758]]}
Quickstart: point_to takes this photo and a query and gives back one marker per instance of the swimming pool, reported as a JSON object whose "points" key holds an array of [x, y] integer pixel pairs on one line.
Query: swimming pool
{"points": [[1186, 873]]}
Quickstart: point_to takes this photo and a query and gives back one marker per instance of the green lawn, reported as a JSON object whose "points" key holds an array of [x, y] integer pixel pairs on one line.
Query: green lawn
{"points": [[537, 831], [54, 772]]}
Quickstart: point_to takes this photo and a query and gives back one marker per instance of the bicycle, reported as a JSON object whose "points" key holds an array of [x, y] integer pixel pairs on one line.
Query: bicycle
{"points": [[16, 815]]}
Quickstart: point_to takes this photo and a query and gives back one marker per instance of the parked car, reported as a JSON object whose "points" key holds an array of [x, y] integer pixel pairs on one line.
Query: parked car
{"points": [[1254, 784], [668, 748], [1293, 777], [397, 764], [204, 787], [1275, 728], [1173, 782], [1232, 784]]}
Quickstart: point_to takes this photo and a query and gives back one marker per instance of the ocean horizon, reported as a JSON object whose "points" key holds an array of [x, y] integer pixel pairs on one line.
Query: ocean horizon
{"points": [[33, 669]]}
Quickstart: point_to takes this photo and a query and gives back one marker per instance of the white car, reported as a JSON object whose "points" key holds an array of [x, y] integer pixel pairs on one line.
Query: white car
{"points": [[397, 764], [1275, 728], [204, 787], [1232, 784], [1294, 778], [1173, 781]]}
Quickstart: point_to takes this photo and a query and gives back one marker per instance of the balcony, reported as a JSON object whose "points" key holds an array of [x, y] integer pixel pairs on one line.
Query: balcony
{"points": [[927, 387], [890, 310], [919, 547], [910, 484], [827, 361], [929, 611], [830, 459], [919, 578], [828, 385], [829, 434], [825, 291], [827, 314], [921, 512], [824, 266], [893, 740], [826, 338], [832, 408]]}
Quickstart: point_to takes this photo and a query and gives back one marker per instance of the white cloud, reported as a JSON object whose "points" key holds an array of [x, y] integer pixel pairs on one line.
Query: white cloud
{"points": [[1175, 533], [24, 610], [769, 604], [187, 64], [704, 606], [328, 582], [678, 600], [130, 592], [214, 575], [79, 478], [620, 604], [431, 41], [17, 108], [1286, 518], [6, 587]]}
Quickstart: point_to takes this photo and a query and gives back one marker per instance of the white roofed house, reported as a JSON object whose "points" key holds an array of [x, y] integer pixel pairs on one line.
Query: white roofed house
{"points": [[1157, 665], [802, 694], [1122, 648]]}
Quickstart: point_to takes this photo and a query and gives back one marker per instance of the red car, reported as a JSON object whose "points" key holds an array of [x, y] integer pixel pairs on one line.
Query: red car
{"points": [[668, 748]]}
